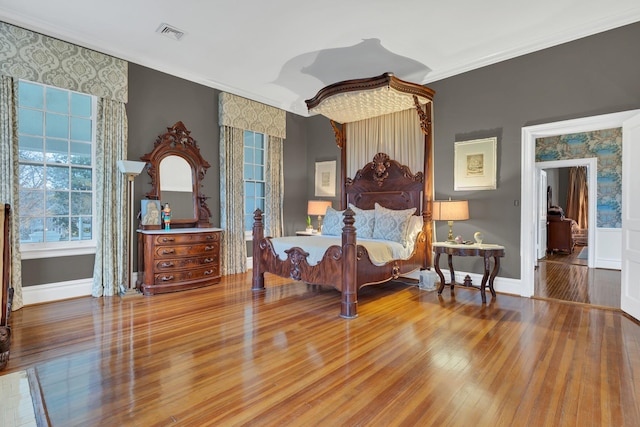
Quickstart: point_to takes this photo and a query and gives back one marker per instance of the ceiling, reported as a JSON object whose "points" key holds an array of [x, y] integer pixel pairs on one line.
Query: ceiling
{"points": [[281, 52]]}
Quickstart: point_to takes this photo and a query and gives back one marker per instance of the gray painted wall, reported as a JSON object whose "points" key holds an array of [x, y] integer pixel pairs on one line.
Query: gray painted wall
{"points": [[587, 77]]}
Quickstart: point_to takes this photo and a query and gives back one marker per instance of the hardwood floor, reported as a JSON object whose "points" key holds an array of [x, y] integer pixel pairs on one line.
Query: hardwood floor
{"points": [[225, 355], [566, 277]]}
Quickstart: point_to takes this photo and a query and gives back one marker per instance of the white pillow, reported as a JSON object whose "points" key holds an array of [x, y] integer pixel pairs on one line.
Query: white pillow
{"points": [[392, 224], [415, 227], [365, 220], [333, 222]]}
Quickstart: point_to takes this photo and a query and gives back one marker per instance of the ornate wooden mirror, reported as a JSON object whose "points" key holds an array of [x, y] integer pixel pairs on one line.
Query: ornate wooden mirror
{"points": [[177, 169]]}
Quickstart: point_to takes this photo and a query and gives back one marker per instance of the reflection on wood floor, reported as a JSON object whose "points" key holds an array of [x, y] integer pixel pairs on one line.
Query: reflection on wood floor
{"points": [[227, 356], [566, 277]]}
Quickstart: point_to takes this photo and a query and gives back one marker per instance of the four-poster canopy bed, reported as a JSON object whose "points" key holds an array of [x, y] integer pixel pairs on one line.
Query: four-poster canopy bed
{"points": [[377, 203]]}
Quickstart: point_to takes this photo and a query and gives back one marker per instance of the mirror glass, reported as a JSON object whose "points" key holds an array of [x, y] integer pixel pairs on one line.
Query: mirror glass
{"points": [[176, 187]]}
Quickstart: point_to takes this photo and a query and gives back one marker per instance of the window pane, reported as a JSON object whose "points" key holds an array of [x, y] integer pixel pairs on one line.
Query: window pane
{"points": [[259, 173], [31, 149], [31, 176], [57, 178], [31, 230], [57, 125], [249, 206], [80, 129], [30, 95], [80, 154], [31, 203], [248, 155], [81, 179], [259, 140], [57, 151], [80, 105], [260, 204], [259, 189], [248, 138], [81, 228], [57, 203], [259, 156], [30, 122], [248, 172], [249, 189], [80, 203], [57, 229], [57, 100]]}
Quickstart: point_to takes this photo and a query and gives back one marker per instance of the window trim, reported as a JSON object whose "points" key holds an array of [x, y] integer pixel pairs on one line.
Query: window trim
{"points": [[38, 250], [248, 234]]}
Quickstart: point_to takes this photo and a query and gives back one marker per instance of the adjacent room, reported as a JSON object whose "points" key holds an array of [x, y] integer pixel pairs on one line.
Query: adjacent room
{"points": [[218, 214]]}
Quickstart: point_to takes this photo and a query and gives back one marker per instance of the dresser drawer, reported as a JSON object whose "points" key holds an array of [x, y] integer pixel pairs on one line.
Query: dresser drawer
{"points": [[182, 263], [211, 271], [186, 250], [186, 238]]}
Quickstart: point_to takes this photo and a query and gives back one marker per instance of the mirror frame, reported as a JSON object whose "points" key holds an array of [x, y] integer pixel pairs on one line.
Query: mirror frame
{"points": [[177, 141]]}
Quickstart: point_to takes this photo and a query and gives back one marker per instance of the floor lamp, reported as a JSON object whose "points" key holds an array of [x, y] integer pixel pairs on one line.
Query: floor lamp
{"points": [[131, 169]]}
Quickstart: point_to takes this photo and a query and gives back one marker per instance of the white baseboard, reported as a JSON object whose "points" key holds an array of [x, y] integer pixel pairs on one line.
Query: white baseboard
{"points": [[500, 284], [58, 291]]}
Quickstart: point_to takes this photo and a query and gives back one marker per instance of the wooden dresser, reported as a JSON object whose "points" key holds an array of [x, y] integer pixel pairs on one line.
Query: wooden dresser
{"points": [[178, 259]]}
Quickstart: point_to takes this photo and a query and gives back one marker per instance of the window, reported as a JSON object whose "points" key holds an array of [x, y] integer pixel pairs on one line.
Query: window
{"points": [[254, 177], [56, 131]]}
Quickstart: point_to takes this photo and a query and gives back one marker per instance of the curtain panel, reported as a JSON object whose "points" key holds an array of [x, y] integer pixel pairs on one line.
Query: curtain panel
{"points": [[112, 226], [42, 59], [397, 134], [234, 248], [9, 180], [274, 224]]}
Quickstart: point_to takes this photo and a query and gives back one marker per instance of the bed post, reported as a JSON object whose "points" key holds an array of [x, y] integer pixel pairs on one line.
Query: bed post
{"points": [[426, 125], [349, 308], [258, 235]]}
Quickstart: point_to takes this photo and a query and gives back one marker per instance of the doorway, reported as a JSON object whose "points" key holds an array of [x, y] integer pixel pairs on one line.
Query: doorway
{"points": [[529, 203]]}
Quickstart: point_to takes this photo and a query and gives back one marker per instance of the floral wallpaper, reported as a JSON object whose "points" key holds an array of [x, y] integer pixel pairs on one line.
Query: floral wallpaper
{"points": [[606, 145]]}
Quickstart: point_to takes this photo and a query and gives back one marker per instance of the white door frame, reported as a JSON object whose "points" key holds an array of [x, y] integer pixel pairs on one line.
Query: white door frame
{"points": [[528, 182], [591, 164]]}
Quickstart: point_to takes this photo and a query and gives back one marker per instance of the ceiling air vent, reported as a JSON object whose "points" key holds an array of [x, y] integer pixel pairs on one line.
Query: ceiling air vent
{"points": [[169, 31]]}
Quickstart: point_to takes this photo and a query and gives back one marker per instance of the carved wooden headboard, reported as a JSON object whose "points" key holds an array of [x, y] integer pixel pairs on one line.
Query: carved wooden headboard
{"points": [[386, 182]]}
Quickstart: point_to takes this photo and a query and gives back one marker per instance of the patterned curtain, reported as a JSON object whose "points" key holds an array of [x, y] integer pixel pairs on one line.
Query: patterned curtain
{"points": [[238, 114], [578, 196], [397, 134], [274, 225], [234, 248], [110, 268], [9, 179]]}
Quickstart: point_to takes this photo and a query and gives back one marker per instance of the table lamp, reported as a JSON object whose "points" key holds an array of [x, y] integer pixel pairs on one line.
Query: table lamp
{"points": [[450, 210], [319, 208]]}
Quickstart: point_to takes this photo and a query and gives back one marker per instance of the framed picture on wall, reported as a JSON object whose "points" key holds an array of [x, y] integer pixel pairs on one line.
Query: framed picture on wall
{"points": [[475, 165], [326, 179]]}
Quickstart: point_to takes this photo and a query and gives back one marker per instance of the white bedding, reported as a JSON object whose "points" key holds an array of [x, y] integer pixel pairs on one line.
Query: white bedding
{"points": [[380, 251]]}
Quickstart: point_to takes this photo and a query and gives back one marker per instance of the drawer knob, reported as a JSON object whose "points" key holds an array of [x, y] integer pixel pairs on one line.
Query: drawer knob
{"points": [[168, 239], [209, 248], [168, 251], [166, 278], [207, 260], [208, 272], [167, 264]]}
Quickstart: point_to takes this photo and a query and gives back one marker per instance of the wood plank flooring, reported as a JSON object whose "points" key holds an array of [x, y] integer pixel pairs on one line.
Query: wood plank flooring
{"points": [[227, 356], [565, 277]]}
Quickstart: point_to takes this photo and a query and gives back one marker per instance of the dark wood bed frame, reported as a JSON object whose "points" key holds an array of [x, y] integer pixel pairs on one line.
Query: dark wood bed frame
{"points": [[348, 267], [383, 180]]}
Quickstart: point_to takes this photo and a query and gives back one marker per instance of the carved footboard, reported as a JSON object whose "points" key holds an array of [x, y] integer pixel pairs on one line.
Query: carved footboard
{"points": [[346, 267]]}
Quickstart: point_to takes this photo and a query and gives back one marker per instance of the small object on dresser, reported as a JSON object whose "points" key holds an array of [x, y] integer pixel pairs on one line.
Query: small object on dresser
{"points": [[478, 237], [459, 240], [166, 216]]}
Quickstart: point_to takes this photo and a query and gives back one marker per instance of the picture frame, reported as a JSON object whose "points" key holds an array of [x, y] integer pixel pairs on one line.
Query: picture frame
{"points": [[475, 164], [150, 214], [325, 185]]}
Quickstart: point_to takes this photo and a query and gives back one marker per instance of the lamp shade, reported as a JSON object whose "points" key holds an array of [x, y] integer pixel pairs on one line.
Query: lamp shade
{"points": [[131, 167], [450, 210], [318, 207]]}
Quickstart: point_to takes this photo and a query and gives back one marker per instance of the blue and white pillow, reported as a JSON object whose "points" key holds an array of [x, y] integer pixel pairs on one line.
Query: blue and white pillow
{"points": [[332, 223], [392, 224], [365, 221]]}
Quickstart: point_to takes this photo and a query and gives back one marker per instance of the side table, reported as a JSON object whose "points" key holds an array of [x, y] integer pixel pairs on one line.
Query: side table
{"points": [[485, 251]]}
